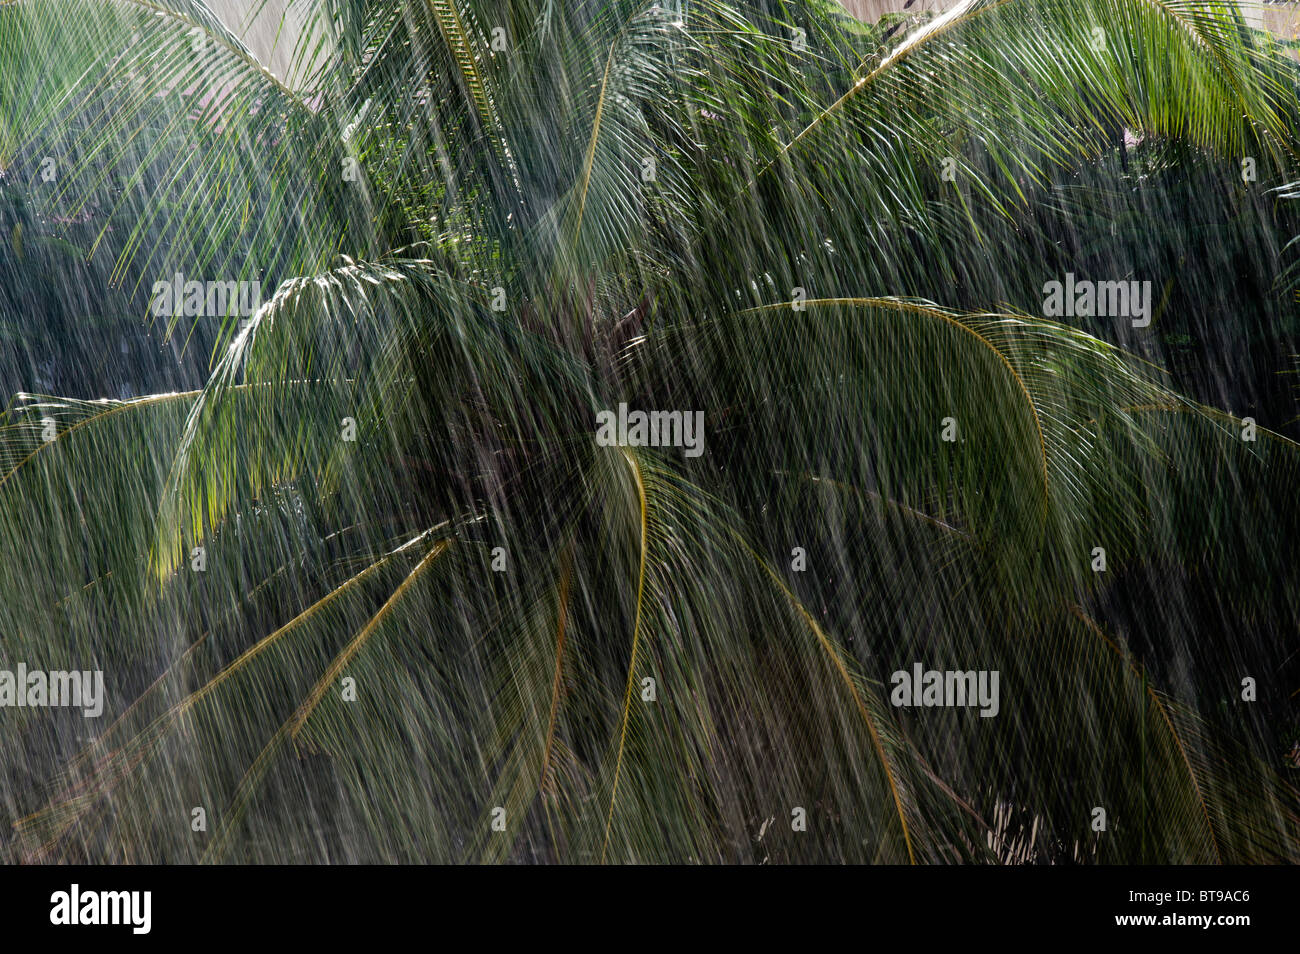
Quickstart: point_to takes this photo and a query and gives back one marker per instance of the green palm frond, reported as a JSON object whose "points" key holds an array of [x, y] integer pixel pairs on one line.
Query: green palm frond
{"points": [[380, 564]]}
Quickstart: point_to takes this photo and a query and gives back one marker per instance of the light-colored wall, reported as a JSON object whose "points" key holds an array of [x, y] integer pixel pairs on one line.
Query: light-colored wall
{"points": [[1258, 14], [873, 10], [1282, 19], [260, 35]]}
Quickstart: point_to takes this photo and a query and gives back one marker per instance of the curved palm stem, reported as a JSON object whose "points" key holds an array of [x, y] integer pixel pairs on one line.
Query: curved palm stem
{"points": [[1096, 630], [290, 729], [636, 637], [837, 660], [108, 412]]}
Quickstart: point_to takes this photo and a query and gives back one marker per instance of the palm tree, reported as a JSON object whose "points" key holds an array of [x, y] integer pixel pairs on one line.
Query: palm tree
{"points": [[376, 592]]}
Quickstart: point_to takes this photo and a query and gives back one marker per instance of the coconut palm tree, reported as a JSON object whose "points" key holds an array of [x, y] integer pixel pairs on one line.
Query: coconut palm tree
{"points": [[377, 591]]}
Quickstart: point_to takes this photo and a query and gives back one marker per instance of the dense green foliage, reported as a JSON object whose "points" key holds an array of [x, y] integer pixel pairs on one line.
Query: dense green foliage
{"points": [[795, 262]]}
